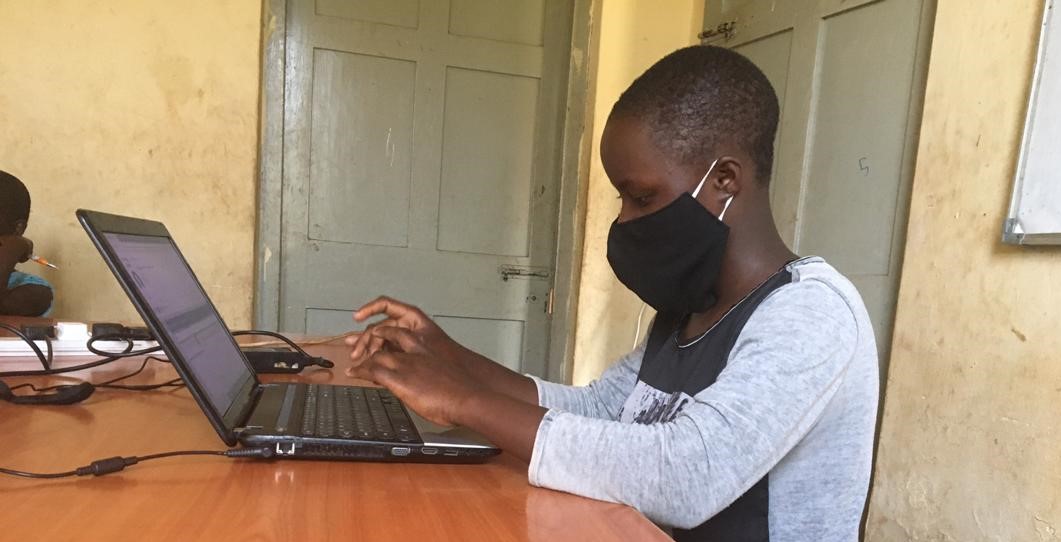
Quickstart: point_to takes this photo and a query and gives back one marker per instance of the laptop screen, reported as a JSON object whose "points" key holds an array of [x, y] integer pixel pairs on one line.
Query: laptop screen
{"points": [[168, 286]]}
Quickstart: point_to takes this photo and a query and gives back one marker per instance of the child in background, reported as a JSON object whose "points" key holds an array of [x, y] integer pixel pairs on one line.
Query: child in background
{"points": [[21, 294]]}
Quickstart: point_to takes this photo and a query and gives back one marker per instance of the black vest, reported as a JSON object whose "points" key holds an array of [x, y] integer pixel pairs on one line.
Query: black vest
{"points": [[690, 370]]}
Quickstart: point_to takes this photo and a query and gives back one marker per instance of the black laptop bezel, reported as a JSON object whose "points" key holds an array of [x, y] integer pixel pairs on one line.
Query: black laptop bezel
{"points": [[96, 224]]}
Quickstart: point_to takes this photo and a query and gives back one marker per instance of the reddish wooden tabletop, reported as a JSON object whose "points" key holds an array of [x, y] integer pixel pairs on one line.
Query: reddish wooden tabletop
{"points": [[216, 498]]}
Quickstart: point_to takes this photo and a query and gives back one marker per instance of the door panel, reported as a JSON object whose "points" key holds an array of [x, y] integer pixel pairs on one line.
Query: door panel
{"points": [[362, 111], [495, 143], [865, 73], [513, 22], [419, 162], [393, 12], [772, 54], [328, 321], [496, 339], [851, 98]]}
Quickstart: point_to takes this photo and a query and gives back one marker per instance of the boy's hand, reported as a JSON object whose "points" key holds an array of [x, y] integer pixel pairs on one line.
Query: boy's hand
{"points": [[434, 387], [403, 316], [487, 375], [15, 248]]}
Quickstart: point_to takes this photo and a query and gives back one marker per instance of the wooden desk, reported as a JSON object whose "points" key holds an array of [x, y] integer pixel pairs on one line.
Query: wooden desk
{"points": [[216, 498]]}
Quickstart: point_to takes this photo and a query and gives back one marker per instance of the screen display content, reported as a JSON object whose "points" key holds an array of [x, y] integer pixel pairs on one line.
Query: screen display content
{"points": [[168, 286]]}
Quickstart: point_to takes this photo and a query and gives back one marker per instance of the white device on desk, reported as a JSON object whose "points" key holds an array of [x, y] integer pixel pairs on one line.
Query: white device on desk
{"points": [[71, 339], [298, 420]]}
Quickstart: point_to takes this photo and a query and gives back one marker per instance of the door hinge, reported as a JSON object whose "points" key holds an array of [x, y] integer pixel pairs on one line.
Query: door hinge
{"points": [[510, 271], [549, 301]]}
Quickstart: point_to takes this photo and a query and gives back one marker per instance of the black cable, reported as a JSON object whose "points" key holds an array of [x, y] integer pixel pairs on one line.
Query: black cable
{"points": [[101, 467], [294, 346], [110, 384], [60, 370], [108, 357], [307, 358], [12, 472], [127, 353], [46, 361]]}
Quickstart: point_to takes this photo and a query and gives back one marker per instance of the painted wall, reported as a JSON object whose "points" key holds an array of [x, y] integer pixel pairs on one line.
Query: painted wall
{"points": [[137, 107], [969, 448], [634, 34]]}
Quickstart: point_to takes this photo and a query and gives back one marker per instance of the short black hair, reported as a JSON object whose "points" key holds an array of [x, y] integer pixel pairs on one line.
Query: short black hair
{"points": [[14, 202], [696, 97]]}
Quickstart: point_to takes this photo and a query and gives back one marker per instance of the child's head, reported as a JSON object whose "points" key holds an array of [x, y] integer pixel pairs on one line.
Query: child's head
{"points": [[700, 102], [14, 205]]}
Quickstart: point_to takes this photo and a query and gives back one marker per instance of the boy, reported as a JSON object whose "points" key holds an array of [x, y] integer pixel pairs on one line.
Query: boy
{"points": [[749, 412], [21, 294]]}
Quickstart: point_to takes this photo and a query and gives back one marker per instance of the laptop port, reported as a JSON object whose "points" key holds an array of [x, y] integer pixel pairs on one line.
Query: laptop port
{"points": [[429, 451], [285, 448], [451, 453], [400, 451]]}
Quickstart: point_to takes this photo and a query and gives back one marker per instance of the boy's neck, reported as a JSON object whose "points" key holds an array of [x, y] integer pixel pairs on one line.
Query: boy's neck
{"points": [[754, 252]]}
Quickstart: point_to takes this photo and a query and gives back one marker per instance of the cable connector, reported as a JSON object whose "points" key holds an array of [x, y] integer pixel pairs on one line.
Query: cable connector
{"points": [[106, 466], [119, 331], [39, 333], [115, 464], [258, 453]]}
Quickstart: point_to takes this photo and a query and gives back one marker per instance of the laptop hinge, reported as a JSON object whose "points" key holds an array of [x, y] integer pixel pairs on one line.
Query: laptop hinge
{"points": [[245, 416]]}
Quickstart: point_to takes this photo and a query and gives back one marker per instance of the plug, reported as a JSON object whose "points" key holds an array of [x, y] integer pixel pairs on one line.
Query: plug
{"points": [[39, 333], [118, 331]]}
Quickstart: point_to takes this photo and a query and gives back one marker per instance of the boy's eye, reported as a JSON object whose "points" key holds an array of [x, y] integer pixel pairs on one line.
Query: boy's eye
{"points": [[640, 201]]}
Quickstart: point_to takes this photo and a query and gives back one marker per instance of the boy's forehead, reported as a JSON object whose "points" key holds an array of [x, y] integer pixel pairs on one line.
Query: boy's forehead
{"points": [[628, 152]]}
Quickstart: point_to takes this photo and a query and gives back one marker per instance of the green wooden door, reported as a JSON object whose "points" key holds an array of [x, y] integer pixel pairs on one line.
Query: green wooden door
{"points": [[850, 77], [420, 160]]}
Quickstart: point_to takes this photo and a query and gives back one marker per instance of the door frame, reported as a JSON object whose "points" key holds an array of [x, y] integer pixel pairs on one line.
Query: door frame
{"points": [[575, 140]]}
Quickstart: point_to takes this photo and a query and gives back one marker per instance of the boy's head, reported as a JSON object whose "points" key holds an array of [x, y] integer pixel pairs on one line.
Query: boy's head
{"points": [[698, 108], [14, 205], [699, 100]]}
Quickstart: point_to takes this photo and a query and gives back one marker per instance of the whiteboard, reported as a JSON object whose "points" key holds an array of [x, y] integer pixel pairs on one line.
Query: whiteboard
{"points": [[1035, 209]]}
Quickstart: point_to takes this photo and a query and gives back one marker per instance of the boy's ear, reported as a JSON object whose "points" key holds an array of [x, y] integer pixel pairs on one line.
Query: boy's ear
{"points": [[729, 179], [20, 227]]}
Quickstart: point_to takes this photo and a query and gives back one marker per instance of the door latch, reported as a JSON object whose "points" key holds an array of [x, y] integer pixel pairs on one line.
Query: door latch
{"points": [[518, 271]]}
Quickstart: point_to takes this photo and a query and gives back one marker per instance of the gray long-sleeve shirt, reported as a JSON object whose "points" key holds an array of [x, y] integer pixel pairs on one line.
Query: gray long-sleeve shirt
{"points": [[796, 402]]}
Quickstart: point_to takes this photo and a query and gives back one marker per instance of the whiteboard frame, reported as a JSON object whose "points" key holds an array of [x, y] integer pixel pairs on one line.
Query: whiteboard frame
{"points": [[1012, 232]]}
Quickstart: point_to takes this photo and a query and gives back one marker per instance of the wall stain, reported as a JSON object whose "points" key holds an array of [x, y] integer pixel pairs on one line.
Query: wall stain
{"points": [[1023, 338]]}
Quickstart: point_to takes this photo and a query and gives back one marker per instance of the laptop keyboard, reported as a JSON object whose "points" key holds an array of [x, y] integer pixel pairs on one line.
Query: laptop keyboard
{"points": [[355, 413]]}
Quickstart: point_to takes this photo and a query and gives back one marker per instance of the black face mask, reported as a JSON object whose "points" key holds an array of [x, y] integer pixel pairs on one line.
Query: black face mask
{"points": [[672, 257]]}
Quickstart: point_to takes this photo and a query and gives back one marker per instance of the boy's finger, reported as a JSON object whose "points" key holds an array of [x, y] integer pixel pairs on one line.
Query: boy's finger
{"points": [[383, 305], [406, 340]]}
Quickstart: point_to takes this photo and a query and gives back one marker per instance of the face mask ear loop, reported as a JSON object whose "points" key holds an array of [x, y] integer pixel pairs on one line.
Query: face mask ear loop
{"points": [[701, 185], [725, 207]]}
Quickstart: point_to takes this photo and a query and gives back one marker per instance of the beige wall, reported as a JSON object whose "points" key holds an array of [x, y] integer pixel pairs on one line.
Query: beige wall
{"points": [[633, 35], [139, 107], [970, 447]]}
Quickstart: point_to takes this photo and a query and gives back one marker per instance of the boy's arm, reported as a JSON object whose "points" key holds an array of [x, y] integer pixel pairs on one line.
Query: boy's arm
{"points": [[782, 374], [787, 366], [26, 299], [602, 398]]}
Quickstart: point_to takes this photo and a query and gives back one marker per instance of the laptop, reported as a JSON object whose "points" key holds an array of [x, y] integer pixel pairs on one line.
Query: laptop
{"points": [[297, 420]]}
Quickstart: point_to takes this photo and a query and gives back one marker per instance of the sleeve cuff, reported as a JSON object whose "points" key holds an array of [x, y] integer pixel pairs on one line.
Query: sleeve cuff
{"points": [[534, 469], [541, 385]]}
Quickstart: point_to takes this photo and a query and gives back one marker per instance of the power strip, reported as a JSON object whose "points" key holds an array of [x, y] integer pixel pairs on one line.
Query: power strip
{"points": [[13, 348], [71, 340]]}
